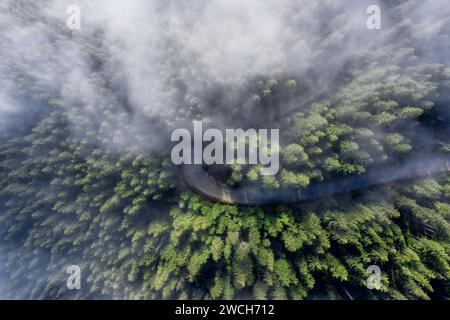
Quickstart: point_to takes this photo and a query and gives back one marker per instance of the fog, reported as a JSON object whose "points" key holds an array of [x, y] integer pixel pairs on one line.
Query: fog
{"points": [[150, 49]]}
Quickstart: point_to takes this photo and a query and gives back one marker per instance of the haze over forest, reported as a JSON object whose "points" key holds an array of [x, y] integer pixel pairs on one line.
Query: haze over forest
{"points": [[86, 176]]}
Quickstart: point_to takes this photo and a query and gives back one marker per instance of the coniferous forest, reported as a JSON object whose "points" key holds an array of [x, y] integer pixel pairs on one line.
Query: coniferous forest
{"points": [[86, 176]]}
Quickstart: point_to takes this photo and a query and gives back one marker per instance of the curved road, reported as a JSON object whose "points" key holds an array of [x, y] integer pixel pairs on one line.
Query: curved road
{"points": [[198, 179]]}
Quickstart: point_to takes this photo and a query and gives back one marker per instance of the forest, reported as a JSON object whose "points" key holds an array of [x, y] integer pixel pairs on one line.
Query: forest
{"points": [[86, 176]]}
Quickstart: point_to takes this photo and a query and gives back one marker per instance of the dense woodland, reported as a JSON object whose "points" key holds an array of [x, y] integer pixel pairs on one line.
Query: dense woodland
{"points": [[86, 176]]}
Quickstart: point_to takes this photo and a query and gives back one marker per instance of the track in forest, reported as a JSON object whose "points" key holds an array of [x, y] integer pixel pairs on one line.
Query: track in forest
{"points": [[199, 181]]}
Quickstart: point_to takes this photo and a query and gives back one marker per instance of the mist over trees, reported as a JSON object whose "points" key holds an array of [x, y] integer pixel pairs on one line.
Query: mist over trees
{"points": [[85, 171]]}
